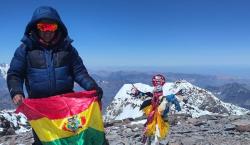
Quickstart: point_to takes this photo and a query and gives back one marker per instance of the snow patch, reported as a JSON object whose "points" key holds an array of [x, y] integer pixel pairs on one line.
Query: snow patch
{"points": [[138, 122], [200, 102], [3, 70], [19, 121]]}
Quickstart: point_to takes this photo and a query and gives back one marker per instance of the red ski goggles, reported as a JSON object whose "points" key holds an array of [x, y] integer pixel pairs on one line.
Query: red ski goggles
{"points": [[47, 27]]}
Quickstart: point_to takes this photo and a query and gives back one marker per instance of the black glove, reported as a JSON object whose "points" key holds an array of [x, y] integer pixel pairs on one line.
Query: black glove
{"points": [[99, 93]]}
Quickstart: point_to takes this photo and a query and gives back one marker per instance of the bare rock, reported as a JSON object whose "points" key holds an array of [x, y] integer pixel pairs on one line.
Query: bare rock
{"points": [[229, 127], [242, 125]]}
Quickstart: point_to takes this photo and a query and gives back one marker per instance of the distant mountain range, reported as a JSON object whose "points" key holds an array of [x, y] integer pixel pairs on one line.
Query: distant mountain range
{"points": [[111, 82], [3, 70], [235, 93], [5, 101]]}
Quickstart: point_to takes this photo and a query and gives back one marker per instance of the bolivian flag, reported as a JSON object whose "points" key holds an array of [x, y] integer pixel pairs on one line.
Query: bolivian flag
{"points": [[68, 119]]}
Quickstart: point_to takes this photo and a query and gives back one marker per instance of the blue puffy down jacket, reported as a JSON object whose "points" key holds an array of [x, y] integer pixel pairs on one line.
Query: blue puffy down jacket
{"points": [[46, 71]]}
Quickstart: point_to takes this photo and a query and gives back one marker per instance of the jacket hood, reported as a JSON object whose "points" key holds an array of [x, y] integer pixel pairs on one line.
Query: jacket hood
{"points": [[47, 13]]}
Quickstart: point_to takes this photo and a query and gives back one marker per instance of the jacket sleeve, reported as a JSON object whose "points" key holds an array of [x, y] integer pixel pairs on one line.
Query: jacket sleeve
{"points": [[16, 72], [173, 100], [80, 73]]}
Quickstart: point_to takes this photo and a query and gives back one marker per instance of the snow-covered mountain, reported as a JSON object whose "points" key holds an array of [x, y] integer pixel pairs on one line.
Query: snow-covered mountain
{"points": [[200, 102], [3, 70], [12, 123], [5, 101]]}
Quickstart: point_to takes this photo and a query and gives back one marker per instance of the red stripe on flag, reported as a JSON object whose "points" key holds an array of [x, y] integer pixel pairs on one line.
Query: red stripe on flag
{"points": [[57, 107]]}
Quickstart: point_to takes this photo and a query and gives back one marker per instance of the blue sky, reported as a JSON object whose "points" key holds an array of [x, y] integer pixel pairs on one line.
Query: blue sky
{"points": [[147, 33]]}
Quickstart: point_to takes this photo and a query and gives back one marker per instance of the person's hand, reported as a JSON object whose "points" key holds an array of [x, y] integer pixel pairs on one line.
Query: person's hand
{"points": [[99, 93], [18, 99]]}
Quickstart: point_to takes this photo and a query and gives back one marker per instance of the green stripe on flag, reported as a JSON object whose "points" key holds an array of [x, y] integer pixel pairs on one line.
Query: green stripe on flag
{"points": [[89, 136]]}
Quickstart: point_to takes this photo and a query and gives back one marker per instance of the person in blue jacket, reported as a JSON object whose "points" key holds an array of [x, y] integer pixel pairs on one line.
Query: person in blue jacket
{"points": [[46, 62]]}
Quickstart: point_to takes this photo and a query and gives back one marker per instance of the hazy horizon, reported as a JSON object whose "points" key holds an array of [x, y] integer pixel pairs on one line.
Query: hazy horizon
{"points": [[226, 71]]}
